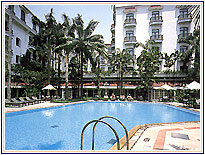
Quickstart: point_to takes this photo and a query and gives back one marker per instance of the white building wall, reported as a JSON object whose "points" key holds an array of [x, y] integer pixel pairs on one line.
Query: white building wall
{"points": [[170, 28], [21, 31]]}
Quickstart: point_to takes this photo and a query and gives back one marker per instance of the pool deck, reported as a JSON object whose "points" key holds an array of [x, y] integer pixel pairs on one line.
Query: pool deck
{"points": [[165, 137]]}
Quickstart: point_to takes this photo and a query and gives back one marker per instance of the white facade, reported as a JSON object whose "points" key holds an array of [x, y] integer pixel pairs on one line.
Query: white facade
{"points": [[164, 23], [22, 28]]}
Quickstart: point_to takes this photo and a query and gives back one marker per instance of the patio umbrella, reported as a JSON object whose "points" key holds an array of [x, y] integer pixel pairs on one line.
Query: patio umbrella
{"points": [[193, 85], [49, 87], [167, 87]]}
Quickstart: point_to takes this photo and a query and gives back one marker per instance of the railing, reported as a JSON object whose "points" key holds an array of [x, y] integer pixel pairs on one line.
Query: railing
{"points": [[184, 35], [156, 19], [157, 37], [184, 16], [100, 120], [132, 20], [131, 38]]}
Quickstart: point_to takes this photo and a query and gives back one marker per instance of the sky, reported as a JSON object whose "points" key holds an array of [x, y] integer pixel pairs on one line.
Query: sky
{"points": [[101, 13]]}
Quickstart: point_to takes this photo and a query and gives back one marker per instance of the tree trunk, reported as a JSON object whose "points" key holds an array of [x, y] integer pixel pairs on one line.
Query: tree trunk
{"points": [[49, 61], [66, 78], [59, 70], [9, 54], [121, 83], [81, 75]]}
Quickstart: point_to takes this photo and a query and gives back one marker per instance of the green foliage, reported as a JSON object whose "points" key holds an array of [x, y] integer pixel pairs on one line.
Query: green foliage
{"points": [[148, 63], [120, 61]]}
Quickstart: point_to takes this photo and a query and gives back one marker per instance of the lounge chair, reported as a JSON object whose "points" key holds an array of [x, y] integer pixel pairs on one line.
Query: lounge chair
{"points": [[105, 98], [113, 98], [35, 98], [18, 103], [129, 98], [29, 102], [34, 101], [8, 102], [122, 97]]}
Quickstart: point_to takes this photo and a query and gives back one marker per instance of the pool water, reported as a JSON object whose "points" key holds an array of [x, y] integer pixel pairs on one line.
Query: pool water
{"points": [[59, 128]]}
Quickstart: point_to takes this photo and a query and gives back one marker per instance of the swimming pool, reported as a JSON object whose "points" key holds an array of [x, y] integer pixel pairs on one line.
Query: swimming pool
{"points": [[59, 128]]}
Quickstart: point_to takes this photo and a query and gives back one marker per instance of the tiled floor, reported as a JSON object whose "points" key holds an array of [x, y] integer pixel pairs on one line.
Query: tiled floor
{"points": [[173, 137]]}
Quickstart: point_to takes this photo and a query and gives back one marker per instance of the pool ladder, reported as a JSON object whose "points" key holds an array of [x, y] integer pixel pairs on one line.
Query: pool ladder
{"points": [[100, 121]]}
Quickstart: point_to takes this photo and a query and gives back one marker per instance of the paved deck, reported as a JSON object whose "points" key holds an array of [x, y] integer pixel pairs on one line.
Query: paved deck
{"points": [[167, 137]]}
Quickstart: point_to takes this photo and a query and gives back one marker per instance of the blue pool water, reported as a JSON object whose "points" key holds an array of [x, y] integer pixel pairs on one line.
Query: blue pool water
{"points": [[60, 128]]}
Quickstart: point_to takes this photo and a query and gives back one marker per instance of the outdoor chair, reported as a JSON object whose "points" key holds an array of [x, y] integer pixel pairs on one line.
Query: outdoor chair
{"points": [[129, 98], [34, 101], [35, 98], [18, 103], [28, 102], [122, 97], [8, 102], [105, 98]]}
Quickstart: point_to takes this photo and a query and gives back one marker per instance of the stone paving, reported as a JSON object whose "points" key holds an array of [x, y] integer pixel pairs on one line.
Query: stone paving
{"points": [[171, 137]]}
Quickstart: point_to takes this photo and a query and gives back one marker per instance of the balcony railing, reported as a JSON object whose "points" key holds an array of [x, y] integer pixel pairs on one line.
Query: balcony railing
{"points": [[157, 38], [183, 35], [184, 16], [156, 19], [112, 27], [130, 22], [131, 39], [133, 20]]}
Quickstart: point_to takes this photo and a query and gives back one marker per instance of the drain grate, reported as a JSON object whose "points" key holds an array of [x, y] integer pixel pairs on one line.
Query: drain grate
{"points": [[179, 135], [146, 139], [112, 141], [54, 126]]}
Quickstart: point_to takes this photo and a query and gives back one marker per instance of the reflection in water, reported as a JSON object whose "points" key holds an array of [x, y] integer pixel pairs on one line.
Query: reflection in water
{"points": [[48, 113]]}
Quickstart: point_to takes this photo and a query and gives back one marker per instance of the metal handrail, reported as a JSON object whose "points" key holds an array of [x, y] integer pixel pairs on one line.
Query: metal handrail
{"points": [[118, 143], [116, 120]]}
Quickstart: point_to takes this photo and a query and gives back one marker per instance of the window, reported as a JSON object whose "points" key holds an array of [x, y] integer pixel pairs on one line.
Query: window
{"points": [[129, 35], [183, 31], [129, 17], [131, 52], [183, 13], [155, 15], [155, 33], [183, 49], [18, 42], [103, 68], [34, 25], [23, 16], [17, 59], [6, 26], [11, 8], [30, 39]]}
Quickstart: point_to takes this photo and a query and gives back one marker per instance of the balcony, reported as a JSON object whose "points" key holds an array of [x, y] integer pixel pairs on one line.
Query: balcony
{"points": [[157, 38], [7, 32], [113, 44], [184, 18], [156, 20], [130, 22], [182, 36], [130, 40], [112, 28]]}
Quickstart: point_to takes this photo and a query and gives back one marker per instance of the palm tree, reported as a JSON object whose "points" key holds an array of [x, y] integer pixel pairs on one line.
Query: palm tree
{"points": [[194, 10], [192, 55], [50, 31], [84, 43], [148, 64], [120, 61], [10, 53]]}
